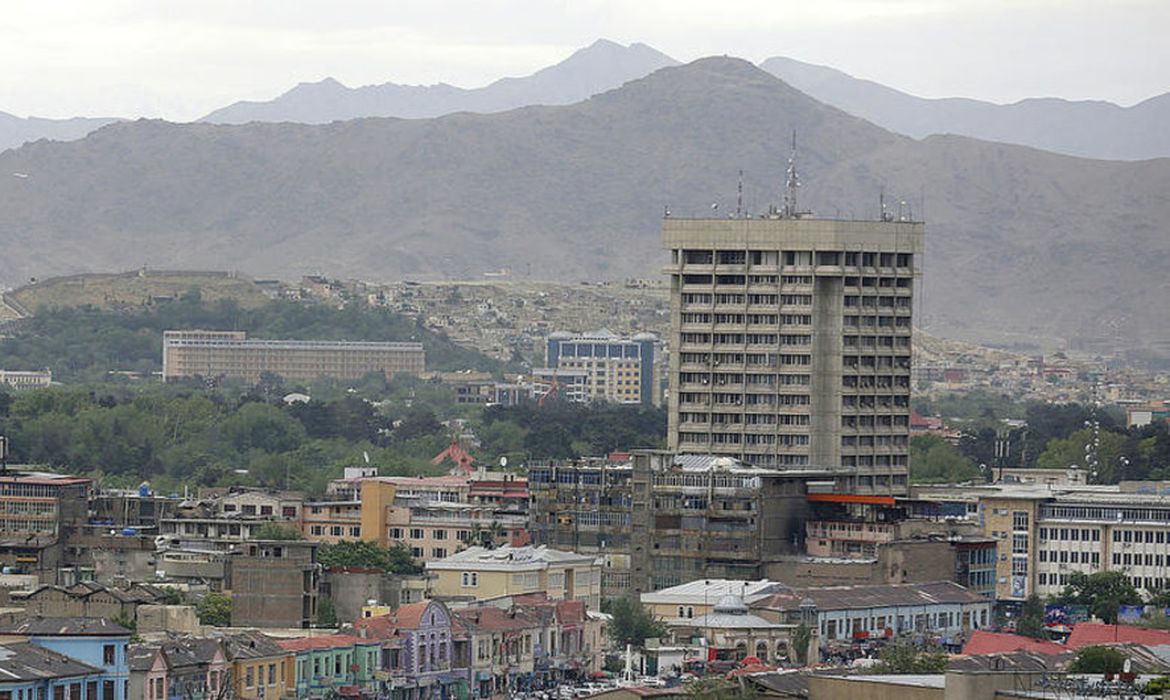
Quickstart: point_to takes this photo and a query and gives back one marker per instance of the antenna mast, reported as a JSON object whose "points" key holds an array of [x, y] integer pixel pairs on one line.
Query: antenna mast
{"points": [[739, 196], [793, 181]]}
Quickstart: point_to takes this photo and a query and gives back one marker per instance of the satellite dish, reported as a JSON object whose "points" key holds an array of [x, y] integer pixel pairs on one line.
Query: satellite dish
{"points": [[503, 462]]}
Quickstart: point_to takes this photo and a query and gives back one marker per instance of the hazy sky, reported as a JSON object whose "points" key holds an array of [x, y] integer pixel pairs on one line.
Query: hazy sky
{"points": [[180, 59]]}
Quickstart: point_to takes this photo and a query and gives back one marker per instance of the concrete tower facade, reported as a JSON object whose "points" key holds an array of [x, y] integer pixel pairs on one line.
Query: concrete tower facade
{"points": [[790, 343]]}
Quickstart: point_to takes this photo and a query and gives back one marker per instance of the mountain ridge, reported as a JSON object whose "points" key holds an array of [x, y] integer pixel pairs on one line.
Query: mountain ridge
{"points": [[598, 67], [1087, 128]]}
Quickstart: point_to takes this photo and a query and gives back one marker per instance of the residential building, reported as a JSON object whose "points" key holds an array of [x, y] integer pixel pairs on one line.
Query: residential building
{"points": [[425, 654], [330, 522], [31, 671], [586, 506], [659, 519], [95, 642], [790, 343], [22, 380], [232, 354], [88, 599], [275, 583], [260, 666], [236, 515], [616, 369], [477, 573], [331, 665], [38, 511], [434, 530]]}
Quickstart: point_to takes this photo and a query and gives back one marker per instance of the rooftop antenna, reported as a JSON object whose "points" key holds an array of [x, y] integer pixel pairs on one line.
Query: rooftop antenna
{"points": [[739, 196], [793, 181], [885, 215], [666, 211]]}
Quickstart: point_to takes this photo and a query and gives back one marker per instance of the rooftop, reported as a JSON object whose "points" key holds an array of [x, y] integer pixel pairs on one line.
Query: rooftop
{"points": [[509, 558], [709, 591], [21, 661], [66, 627], [882, 596]]}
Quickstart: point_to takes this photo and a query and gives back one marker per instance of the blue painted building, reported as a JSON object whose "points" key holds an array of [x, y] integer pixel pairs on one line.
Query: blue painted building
{"points": [[95, 642], [30, 672]]}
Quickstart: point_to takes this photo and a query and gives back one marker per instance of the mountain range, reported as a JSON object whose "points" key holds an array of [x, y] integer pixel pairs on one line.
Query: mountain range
{"points": [[599, 67], [15, 131], [1091, 129], [1023, 246]]}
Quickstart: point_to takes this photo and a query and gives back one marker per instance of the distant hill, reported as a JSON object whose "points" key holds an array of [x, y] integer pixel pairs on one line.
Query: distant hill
{"points": [[599, 67], [1023, 246], [1091, 129], [15, 131]]}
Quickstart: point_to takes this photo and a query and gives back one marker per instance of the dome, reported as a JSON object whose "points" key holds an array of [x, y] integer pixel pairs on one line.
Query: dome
{"points": [[731, 605]]}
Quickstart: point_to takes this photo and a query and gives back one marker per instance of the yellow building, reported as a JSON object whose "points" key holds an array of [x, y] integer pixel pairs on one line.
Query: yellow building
{"points": [[1011, 519], [330, 522], [377, 500], [260, 667], [478, 573]]}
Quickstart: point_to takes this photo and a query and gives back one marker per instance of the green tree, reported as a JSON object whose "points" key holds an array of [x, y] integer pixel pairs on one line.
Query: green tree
{"points": [[903, 656], [632, 624], [1097, 659], [214, 609], [276, 531], [1103, 592], [800, 640], [326, 613], [363, 554], [1031, 622], [934, 460], [172, 595]]}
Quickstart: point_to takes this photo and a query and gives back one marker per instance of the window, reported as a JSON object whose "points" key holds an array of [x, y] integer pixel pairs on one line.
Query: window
{"points": [[439, 552], [249, 677], [109, 655], [469, 579], [416, 533], [271, 674]]}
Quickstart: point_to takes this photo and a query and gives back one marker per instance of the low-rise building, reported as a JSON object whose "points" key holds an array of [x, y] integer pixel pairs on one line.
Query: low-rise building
{"points": [[32, 671], [478, 573], [336, 664], [275, 584], [94, 642], [260, 666]]}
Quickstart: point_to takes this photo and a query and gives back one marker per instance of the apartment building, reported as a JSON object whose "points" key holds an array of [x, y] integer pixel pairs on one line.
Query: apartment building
{"points": [[434, 530], [614, 369], [275, 584], [478, 573], [790, 343], [232, 354]]}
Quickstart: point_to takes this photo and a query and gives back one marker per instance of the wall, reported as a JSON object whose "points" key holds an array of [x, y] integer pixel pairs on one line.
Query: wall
{"points": [[834, 687]]}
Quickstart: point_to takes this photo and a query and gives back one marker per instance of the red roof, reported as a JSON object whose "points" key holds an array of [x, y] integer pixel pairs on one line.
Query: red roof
{"points": [[1085, 633], [984, 642], [331, 641]]}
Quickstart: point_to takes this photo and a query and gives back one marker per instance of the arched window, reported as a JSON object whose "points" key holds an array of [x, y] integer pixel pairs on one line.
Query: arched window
{"points": [[762, 651]]}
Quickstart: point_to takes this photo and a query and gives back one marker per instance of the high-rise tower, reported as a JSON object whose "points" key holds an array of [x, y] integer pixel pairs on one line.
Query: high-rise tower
{"points": [[790, 342]]}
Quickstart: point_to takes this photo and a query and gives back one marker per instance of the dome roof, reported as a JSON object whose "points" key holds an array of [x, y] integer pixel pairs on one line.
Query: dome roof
{"points": [[731, 605]]}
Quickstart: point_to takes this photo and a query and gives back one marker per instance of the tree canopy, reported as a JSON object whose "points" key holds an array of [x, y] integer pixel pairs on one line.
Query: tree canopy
{"points": [[1103, 592], [632, 623], [362, 554]]}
